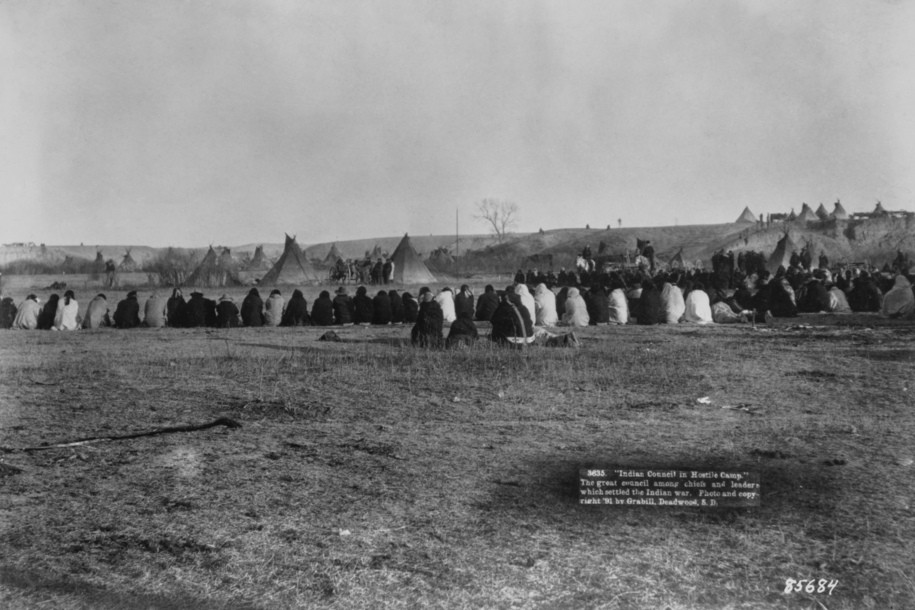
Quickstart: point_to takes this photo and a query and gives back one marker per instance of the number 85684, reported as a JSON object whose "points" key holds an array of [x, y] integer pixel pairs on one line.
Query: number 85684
{"points": [[810, 585]]}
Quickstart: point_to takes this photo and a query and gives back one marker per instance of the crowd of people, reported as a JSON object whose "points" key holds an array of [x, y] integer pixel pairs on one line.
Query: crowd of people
{"points": [[364, 270], [522, 312]]}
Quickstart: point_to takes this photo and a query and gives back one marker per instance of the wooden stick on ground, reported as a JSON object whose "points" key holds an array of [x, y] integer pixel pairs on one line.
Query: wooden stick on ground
{"points": [[222, 421]]}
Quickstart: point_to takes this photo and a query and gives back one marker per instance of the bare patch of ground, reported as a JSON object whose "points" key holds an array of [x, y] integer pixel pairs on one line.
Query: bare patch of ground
{"points": [[369, 474]]}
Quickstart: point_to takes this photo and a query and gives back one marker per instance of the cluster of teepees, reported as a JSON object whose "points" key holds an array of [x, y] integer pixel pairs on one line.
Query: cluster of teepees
{"points": [[215, 271], [259, 261]]}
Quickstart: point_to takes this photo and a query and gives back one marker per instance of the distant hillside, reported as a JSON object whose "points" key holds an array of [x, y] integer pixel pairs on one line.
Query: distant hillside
{"points": [[860, 239]]}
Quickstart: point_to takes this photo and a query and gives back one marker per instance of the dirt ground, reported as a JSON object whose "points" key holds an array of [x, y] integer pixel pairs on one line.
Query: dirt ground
{"points": [[370, 474]]}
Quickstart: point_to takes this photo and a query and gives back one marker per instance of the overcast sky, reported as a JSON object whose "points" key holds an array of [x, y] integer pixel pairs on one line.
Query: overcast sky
{"points": [[227, 122]]}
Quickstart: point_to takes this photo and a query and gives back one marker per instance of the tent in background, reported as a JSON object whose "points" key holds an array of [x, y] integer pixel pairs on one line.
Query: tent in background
{"points": [[408, 267], [292, 267], [333, 255], [781, 257], [128, 264], [259, 261], [839, 212], [214, 271], [806, 214], [746, 216]]}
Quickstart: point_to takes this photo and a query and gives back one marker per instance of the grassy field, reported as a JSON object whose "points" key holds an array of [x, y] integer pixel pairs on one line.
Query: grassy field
{"points": [[370, 474]]}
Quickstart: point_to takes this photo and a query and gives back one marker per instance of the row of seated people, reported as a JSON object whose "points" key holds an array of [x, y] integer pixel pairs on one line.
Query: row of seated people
{"points": [[635, 299]]}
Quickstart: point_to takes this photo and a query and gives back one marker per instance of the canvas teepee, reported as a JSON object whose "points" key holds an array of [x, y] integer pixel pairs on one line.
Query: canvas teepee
{"points": [[677, 261], [839, 212], [408, 267], [333, 255], [806, 214], [259, 261], [128, 264], [781, 257], [214, 271], [792, 216], [746, 216], [225, 259], [292, 267], [879, 211], [821, 212]]}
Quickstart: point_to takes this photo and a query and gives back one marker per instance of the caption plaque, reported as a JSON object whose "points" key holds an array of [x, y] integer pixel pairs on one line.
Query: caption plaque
{"points": [[616, 486]]}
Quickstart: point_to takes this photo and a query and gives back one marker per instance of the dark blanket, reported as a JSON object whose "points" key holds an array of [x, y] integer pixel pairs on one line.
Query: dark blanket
{"points": [[363, 309], [252, 309], [176, 311], [487, 304], [343, 309], [463, 331], [8, 311], [322, 310], [598, 307], [780, 302], [463, 303], [864, 296], [410, 308], [397, 310], [227, 315], [813, 297], [127, 314], [46, 316], [381, 308], [428, 330], [196, 311], [649, 306], [511, 319], [296, 312]]}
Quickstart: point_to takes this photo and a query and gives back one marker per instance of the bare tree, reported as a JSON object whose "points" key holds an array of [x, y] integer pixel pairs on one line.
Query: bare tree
{"points": [[499, 214]]}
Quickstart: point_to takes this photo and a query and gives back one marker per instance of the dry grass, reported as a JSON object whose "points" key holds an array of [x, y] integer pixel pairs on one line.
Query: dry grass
{"points": [[368, 474]]}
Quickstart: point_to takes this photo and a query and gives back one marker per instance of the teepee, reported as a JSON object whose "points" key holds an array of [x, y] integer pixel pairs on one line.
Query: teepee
{"points": [[839, 212], [214, 271], [259, 261], [821, 212], [408, 267], [806, 214], [128, 264], [746, 216], [879, 211], [333, 255], [677, 261], [781, 257], [292, 267]]}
